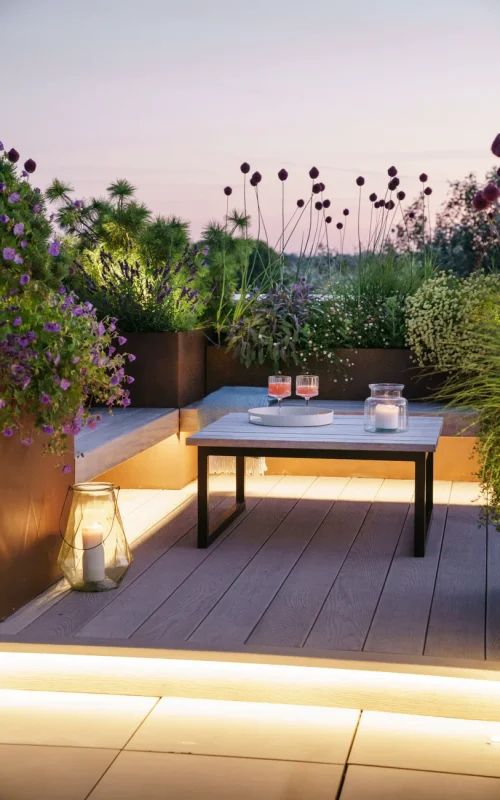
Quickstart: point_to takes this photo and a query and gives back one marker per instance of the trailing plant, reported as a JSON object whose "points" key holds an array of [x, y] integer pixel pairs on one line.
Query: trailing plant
{"points": [[143, 296], [275, 328], [55, 354], [443, 314]]}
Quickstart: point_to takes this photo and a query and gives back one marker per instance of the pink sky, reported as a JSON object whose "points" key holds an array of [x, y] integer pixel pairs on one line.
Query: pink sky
{"points": [[174, 96]]}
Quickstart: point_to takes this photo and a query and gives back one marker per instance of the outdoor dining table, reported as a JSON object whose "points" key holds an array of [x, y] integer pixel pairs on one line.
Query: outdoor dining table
{"points": [[344, 438]]}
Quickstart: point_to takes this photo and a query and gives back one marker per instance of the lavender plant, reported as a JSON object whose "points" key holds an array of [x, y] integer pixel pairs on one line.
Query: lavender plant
{"points": [[143, 296]]}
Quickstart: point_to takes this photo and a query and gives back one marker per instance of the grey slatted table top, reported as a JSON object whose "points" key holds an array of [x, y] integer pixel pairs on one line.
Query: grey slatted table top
{"points": [[345, 433]]}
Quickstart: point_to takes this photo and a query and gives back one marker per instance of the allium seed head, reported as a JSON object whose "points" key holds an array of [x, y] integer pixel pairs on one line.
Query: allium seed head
{"points": [[495, 147], [300, 203], [345, 212], [282, 174], [245, 168], [256, 177], [393, 184], [373, 197], [390, 205], [326, 203], [339, 226], [30, 165], [427, 190], [423, 177], [360, 180], [392, 172], [13, 155], [479, 201], [328, 220], [401, 195], [491, 192], [313, 173], [316, 188], [228, 191], [318, 205]]}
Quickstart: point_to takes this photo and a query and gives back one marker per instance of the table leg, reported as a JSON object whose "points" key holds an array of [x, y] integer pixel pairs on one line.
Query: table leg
{"points": [[202, 497], [429, 485], [205, 535], [420, 504]]}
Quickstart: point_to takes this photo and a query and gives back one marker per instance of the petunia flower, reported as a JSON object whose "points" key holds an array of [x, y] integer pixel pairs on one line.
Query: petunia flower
{"points": [[17, 322], [54, 248], [4, 218], [48, 429], [64, 383], [122, 340], [18, 229], [52, 327], [24, 279], [45, 399], [18, 259], [9, 253], [8, 432], [13, 198], [23, 244]]}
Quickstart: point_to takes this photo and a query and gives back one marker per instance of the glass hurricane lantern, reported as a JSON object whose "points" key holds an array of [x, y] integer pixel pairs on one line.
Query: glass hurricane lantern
{"points": [[386, 410], [94, 555]]}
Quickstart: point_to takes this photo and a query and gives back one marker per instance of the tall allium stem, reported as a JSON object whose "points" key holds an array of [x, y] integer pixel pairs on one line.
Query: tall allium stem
{"points": [[405, 224], [296, 224], [430, 226], [370, 228], [310, 221], [282, 254], [359, 218], [311, 251]]}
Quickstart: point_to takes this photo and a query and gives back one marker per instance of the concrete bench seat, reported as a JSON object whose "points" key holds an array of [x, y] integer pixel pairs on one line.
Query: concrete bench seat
{"points": [[120, 435]]}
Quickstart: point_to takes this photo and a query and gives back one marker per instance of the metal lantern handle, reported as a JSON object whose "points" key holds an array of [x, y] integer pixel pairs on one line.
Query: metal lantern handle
{"points": [[115, 490]]}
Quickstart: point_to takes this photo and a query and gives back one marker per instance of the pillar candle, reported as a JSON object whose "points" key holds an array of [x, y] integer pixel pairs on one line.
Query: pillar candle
{"points": [[93, 553]]}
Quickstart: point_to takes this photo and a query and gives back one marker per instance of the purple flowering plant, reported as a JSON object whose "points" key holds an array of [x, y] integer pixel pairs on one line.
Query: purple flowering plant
{"points": [[54, 357], [26, 236]]}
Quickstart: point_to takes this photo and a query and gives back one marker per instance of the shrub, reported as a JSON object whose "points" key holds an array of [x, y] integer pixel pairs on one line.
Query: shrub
{"points": [[443, 315]]}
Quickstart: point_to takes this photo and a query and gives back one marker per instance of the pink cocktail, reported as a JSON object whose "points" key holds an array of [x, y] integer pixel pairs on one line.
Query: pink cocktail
{"points": [[307, 386], [279, 387]]}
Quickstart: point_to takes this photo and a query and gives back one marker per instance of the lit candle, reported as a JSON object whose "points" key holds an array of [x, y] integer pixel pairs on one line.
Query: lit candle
{"points": [[93, 554], [386, 417]]}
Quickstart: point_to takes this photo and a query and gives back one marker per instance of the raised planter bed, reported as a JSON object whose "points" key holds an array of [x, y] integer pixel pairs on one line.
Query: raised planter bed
{"points": [[346, 381], [33, 493], [170, 368]]}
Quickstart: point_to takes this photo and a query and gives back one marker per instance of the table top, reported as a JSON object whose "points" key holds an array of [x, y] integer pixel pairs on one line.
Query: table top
{"points": [[345, 433]]}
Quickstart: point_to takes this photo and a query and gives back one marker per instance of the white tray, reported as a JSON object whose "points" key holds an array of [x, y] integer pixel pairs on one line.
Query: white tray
{"points": [[289, 416]]}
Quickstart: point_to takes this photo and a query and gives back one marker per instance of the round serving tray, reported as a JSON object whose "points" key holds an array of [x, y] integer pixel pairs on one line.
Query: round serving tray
{"points": [[288, 416]]}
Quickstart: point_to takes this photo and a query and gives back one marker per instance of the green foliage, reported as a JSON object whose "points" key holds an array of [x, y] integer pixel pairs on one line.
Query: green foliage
{"points": [[25, 232], [475, 383], [366, 307], [274, 328], [165, 239], [143, 296], [442, 317]]}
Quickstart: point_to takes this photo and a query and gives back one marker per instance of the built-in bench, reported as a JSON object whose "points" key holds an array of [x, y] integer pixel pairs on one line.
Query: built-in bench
{"points": [[120, 435]]}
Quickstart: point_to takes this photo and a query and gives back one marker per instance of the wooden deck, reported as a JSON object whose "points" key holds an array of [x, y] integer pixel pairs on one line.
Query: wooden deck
{"points": [[315, 565]]}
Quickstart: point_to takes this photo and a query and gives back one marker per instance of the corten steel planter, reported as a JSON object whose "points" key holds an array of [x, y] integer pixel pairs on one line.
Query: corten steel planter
{"points": [[344, 381], [169, 370], [33, 490]]}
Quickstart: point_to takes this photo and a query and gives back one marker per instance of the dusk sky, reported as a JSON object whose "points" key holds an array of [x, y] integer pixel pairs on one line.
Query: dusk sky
{"points": [[175, 95]]}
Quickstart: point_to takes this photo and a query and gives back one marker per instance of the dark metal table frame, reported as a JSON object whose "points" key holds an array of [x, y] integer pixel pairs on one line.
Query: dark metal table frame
{"points": [[424, 482]]}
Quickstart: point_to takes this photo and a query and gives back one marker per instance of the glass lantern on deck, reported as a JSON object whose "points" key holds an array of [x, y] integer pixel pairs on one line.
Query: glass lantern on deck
{"points": [[386, 410], [95, 554]]}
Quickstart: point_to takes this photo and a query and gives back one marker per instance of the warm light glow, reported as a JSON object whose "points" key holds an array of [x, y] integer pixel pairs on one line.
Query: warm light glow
{"points": [[204, 676]]}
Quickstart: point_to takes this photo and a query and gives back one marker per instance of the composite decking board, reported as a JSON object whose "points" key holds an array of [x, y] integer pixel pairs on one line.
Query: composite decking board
{"points": [[345, 433], [188, 606], [400, 621], [457, 615], [239, 610], [345, 618], [123, 617], [65, 618], [292, 613], [493, 594]]}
